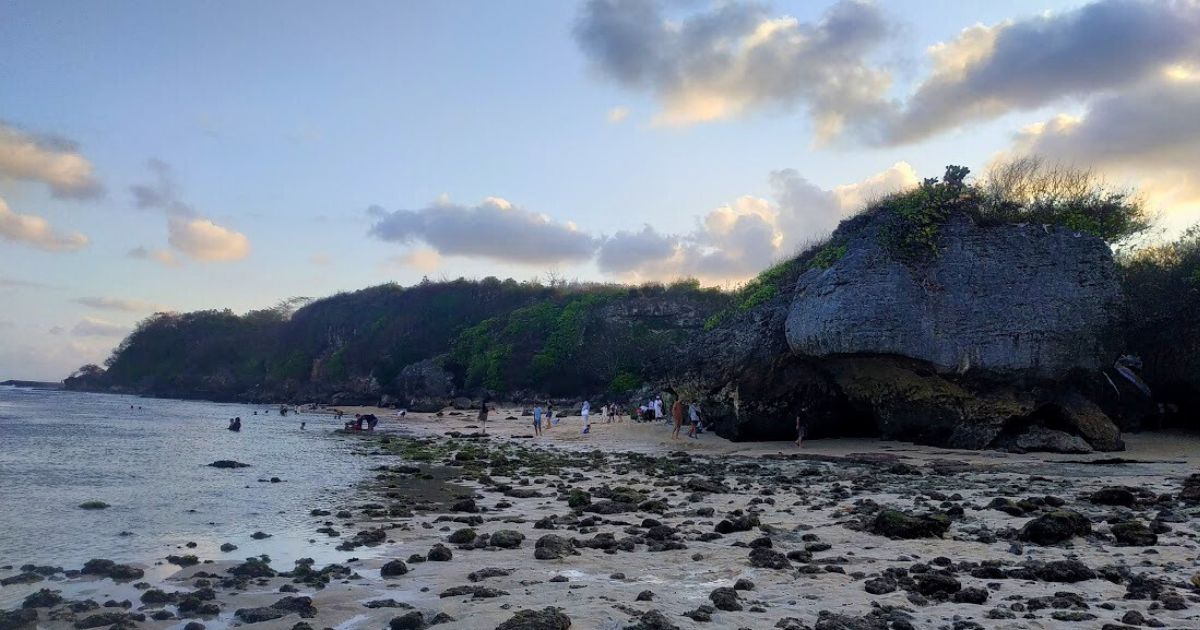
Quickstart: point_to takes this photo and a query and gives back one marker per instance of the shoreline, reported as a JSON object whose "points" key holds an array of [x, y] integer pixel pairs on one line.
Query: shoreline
{"points": [[804, 499]]}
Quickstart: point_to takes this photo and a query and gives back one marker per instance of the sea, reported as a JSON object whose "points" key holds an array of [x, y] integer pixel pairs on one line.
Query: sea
{"points": [[148, 459]]}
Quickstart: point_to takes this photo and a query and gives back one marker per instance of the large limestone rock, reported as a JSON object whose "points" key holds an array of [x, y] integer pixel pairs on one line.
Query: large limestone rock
{"points": [[1015, 300]]}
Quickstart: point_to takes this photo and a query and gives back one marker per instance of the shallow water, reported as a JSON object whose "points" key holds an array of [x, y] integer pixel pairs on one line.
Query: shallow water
{"points": [[60, 449]]}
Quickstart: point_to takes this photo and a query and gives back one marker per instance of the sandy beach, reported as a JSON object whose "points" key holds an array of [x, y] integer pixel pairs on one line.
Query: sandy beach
{"points": [[627, 527]]}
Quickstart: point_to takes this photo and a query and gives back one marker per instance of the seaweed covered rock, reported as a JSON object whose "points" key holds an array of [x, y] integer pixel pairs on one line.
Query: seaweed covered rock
{"points": [[1055, 527], [897, 524]]}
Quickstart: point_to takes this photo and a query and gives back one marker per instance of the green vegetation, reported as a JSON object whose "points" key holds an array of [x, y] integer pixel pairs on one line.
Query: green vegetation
{"points": [[829, 254], [495, 335]]}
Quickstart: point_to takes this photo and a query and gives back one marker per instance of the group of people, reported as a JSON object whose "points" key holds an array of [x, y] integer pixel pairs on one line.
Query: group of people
{"points": [[361, 419]]}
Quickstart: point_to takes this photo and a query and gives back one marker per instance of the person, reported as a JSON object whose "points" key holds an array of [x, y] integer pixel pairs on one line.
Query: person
{"points": [[801, 429], [302, 425], [372, 420], [235, 424], [693, 420], [537, 419], [550, 419], [483, 413], [657, 405], [586, 411], [677, 417]]}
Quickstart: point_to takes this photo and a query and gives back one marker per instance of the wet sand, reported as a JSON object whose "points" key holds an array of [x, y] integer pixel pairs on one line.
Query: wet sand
{"points": [[652, 520]]}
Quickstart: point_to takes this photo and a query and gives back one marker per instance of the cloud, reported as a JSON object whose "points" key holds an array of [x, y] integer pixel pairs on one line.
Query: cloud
{"points": [[740, 239], [188, 233], [36, 232], [423, 259], [618, 115], [1030, 63], [203, 240], [1149, 133], [13, 283], [50, 160], [119, 304], [734, 58], [494, 229], [161, 256], [93, 327]]}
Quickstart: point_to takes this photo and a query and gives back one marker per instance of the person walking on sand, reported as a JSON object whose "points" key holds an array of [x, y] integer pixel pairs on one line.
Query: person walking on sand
{"points": [[483, 413], [677, 417], [550, 419], [801, 429], [537, 419], [693, 420], [586, 412]]}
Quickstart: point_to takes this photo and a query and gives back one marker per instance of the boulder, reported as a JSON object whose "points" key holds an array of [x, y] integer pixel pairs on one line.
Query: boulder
{"points": [[545, 619], [897, 524], [1053, 300], [1055, 527], [1134, 534]]}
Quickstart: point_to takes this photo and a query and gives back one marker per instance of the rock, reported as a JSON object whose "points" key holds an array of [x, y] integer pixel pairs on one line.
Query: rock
{"points": [[971, 595], [553, 547], [93, 505], [741, 523], [1084, 418], [412, 620], [488, 572], [462, 536], [880, 586], [439, 553], [260, 535], [725, 598], [194, 625], [644, 596], [764, 558], [228, 463], [476, 592], [111, 570], [1068, 571], [104, 619], [18, 619], [1134, 534], [897, 524], [227, 547], [1114, 495], [652, 620], [1039, 439], [1054, 300], [44, 598], [259, 615], [25, 577], [937, 584], [507, 539], [545, 619], [1055, 527], [393, 568], [1190, 492]]}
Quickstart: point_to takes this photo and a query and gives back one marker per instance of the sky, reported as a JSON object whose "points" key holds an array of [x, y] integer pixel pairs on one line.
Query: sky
{"points": [[193, 155]]}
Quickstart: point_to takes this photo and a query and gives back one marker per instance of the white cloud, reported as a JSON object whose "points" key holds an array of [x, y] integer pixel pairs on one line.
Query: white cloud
{"points": [[36, 232], [119, 304], [95, 327], [161, 256], [188, 233], [46, 159], [203, 240], [1030, 63], [736, 241], [422, 259], [734, 58], [494, 229], [618, 115]]}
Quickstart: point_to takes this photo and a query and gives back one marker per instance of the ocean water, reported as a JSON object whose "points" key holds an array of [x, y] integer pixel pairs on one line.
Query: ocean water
{"points": [[147, 459]]}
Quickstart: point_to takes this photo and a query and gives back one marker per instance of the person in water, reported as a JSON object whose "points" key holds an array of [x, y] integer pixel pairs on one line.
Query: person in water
{"points": [[235, 424]]}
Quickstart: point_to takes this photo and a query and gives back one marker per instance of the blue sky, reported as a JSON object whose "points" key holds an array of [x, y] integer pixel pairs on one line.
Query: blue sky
{"points": [[261, 133]]}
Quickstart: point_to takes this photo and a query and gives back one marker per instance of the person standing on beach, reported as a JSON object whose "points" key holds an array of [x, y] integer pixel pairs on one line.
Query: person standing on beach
{"points": [[537, 419], [550, 420], [483, 413], [801, 429], [658, 412], [693, 420], [586, 412], [677, 417]]}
